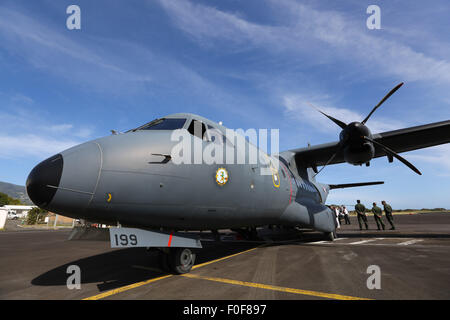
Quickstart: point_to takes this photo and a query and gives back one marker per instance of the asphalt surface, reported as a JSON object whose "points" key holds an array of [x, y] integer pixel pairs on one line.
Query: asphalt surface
{"points": [[414, 263]]}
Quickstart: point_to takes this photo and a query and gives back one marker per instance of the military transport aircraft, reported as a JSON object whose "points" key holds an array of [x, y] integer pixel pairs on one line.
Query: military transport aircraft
{"points": [[130, 180]]}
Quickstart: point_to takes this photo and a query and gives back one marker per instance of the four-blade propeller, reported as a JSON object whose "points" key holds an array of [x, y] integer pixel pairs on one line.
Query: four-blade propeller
{"points": [[357, 133]]}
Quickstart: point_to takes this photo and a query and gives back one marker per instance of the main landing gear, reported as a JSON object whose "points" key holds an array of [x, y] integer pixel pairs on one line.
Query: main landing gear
{"points": [[175, 250], [176, 260], [330, 236], [249, 233]]}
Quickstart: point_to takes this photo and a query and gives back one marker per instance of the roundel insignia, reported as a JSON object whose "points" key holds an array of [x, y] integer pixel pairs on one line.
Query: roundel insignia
{"points": [[221, 176], [275, 178]]}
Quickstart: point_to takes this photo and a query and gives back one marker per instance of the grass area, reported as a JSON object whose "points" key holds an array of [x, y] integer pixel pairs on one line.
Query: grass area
{"points": [[44, 226], [406, 212]]}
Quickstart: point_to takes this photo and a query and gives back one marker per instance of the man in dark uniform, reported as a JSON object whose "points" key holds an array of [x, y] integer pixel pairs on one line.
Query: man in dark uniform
{"points": [[388, 213], [361, 214], [377, 213]]}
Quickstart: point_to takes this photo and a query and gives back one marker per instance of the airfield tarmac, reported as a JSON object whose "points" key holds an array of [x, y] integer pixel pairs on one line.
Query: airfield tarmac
{"points": [[414, 262]]}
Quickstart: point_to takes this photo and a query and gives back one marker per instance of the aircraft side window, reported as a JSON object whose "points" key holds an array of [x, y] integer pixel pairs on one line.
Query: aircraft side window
{"points": [[288, 174], [215, 134], [198, 129]]}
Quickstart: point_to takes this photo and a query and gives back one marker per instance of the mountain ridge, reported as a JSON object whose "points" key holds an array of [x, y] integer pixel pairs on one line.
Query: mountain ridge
{"points": [[15, 191]]}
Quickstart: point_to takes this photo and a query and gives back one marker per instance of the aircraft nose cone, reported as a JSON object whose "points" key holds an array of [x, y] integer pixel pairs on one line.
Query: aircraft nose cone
{"points": [[44, 179]]}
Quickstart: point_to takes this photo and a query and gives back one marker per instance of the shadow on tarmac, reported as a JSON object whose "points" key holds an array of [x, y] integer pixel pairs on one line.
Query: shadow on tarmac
{"points": [[122, 267]]}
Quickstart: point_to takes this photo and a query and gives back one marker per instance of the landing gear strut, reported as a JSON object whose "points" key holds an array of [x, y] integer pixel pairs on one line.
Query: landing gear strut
{"points": [[176, 260], [249, 233], [330, 236]]}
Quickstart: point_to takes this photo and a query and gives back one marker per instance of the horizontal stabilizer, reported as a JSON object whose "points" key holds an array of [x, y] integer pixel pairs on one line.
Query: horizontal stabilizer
{"points": [[351, 185]]}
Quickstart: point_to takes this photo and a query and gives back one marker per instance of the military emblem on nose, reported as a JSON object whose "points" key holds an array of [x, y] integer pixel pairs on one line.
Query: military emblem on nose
{"points": [[221, 176]]}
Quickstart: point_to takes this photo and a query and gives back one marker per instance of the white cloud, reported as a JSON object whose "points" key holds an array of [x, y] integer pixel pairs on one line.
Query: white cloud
{"points": [[44, 47], [22, 99], [296, 106], [68, 129], [24, 145], [59, 128], [438, 156], [24, 133], [112, 65], [207, 22], [310, 31], [83, 133]]}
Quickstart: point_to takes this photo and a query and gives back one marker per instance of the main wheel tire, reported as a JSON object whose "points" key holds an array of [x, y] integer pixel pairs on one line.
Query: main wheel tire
{"points": [[181, 260]]}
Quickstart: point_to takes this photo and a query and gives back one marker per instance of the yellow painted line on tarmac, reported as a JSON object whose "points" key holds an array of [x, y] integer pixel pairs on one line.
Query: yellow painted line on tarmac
{"points": [[275, 288], [125, 288], [142, 283], [220, 259]]}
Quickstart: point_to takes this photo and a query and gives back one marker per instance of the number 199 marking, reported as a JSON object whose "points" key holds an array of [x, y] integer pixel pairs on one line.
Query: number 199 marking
{"points": [[125, 239]]}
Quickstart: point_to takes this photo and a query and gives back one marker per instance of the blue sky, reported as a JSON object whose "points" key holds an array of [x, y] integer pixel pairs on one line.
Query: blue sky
{"points": [[250, 64]]}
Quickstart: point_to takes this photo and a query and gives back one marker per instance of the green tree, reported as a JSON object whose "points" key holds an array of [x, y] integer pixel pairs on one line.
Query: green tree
{"points": [[6, 200], [36, 215], [3, 199]]}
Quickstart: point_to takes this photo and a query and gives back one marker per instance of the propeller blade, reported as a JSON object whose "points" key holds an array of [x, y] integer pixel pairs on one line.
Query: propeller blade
{"points": [[331, 159], [382, 100], [394, 154], [338, 122]]}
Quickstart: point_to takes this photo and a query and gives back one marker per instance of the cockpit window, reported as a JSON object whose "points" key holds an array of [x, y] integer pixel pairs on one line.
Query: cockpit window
{"points": [[163, 124]]}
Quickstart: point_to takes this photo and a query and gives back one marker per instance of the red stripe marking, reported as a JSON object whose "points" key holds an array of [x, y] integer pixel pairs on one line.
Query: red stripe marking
{"points": [[170, 240]]}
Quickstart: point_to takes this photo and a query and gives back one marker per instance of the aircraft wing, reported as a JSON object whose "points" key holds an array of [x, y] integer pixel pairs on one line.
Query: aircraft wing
{"points": [[402, 140]]}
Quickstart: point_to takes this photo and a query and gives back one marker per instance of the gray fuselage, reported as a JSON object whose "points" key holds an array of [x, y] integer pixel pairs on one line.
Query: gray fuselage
{"points": [[130, 179]]}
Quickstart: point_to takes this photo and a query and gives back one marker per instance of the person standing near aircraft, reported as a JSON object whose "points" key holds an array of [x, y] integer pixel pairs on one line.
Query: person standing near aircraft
{"points": [[361, 214], [377, 213], [346, 217], [336, 215], [388, 212]]}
